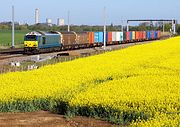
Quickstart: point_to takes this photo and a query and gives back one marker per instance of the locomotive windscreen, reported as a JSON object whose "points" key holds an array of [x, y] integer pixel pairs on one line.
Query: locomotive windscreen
{"points": [[30, 38]]}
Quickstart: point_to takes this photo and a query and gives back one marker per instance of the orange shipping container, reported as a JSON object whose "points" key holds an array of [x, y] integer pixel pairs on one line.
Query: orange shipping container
{"points": [[152, 34], [137, 35], [91, 37], [159, 34], [109, 37]]}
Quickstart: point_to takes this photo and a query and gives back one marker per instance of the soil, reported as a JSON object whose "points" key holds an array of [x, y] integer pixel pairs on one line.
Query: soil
{"points": [[47, 119]]}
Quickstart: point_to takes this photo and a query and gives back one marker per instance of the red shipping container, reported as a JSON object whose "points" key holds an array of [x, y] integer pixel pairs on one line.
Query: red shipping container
{"points": [[128, 36], [140, 35], [141, 38]]}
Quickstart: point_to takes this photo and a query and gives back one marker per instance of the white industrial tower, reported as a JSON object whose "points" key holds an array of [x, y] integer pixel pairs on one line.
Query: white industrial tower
{"points": [[36, 16], [60, 22]]}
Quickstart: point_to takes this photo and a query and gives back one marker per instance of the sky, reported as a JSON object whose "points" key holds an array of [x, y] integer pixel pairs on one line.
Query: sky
{"points": [[90, 12]]}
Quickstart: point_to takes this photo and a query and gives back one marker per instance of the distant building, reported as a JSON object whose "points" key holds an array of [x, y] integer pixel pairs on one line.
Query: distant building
{"points": [[49, 22], [60, 22], [36, 16]]}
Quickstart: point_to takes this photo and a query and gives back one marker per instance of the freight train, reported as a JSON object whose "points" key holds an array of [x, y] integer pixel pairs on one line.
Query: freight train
{"points": [[38, 41]]}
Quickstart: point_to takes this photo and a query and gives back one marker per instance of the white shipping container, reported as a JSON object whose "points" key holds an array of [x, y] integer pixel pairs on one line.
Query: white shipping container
{"points": [[113, 36], [118, 36]]}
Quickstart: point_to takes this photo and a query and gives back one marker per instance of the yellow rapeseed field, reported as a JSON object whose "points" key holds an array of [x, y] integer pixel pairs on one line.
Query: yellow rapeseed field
{"points": [[137, 86]]}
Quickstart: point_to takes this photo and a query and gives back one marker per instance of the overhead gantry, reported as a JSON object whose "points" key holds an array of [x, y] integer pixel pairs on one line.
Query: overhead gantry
{"points": [[173, 21]]}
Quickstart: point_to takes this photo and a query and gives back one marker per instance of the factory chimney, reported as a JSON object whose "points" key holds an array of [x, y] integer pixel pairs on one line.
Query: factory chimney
{"points": [[36, 16]]}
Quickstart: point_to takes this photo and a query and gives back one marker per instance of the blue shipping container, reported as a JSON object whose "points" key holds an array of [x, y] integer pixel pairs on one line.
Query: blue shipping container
{"points": [[155, 34], [96, 36], [101, 37], [149, 36], [131, 35], [106, 36]]}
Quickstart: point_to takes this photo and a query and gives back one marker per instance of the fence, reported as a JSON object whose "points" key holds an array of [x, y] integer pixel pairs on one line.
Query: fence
{"points": [[25, 66]]}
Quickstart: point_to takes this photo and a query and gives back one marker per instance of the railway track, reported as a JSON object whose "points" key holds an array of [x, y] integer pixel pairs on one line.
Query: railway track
{"points": [[12, 51], [4, 57], [6, 54]]}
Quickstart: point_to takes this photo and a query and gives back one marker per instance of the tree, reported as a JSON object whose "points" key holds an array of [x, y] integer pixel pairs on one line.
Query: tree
{"points": [[3, 27]]}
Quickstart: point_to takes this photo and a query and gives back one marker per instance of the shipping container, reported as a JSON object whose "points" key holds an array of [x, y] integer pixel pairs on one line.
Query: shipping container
{"points": [[124, 36], [128, 36], [141, 35], [82, 38], [113, 36], [96, 37], [137, 35], [152, 34], [121, 36], [109, 37], [118, 36], [149, 36], [144, 35], [101, 37], [133, 35], [159, 34], [91, 37], [155, 34]]}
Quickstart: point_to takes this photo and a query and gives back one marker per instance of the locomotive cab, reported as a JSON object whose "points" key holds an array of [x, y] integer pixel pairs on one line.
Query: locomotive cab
{"points": [[31, 41]]}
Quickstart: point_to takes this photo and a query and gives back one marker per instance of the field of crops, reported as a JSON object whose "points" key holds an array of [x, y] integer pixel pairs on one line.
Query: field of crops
{"points": [[137, 86], [6, 35]]}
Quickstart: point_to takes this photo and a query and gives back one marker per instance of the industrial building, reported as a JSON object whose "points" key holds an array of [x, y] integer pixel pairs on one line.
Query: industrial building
{"points": [[49, 22], [60, 22]]}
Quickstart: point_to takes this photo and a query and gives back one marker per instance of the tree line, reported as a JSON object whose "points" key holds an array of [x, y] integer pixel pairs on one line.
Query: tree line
{"points": [[85, 28]]}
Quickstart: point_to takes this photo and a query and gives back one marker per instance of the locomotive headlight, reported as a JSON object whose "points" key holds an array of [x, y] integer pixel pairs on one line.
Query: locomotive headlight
{"points": [[25, 43], [35, 44]]}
